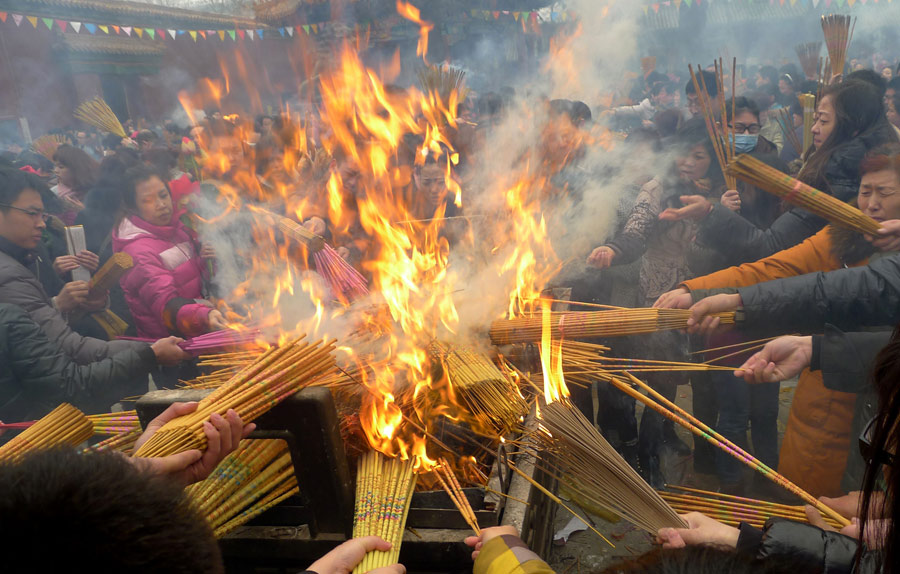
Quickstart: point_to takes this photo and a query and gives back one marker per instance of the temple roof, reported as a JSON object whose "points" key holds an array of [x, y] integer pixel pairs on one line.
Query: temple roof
{"points": [[85, 44]]}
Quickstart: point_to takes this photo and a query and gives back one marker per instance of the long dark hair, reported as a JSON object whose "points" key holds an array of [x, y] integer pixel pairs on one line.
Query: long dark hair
{"points": [[82, 166], [691, 134], [858, 109], [885, 436]]}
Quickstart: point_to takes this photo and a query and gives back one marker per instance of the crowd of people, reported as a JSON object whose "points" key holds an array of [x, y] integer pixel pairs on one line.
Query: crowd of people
{"points": [[683, 239]]}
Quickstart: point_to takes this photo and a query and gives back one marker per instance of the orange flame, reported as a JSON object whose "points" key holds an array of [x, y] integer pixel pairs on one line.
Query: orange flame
{"points": [[412, 14]]}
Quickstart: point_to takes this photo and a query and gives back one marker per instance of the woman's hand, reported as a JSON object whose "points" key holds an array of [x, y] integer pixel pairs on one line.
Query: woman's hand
{"points": [[601, 257], [168, 352], [702, 320], [223, 435], [888, 238], [88, 260], [696, 207], [344, 558], [343, 252], [675, 299], [781, 359], [216, 320], [731, 199], [477, 542], [315, 225], [65, 264], [73, 295], [701, 530]]}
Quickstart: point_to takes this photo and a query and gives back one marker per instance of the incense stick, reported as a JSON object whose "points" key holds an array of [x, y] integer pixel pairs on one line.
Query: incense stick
{"points": [[447, 478], [64, 425]]}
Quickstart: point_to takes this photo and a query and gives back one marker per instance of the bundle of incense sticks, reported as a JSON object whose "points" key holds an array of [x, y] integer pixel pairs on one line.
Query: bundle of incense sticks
{"points": [[122, 442], [838, 30], [589, 466], [733, 510], [443, 80], [681, 417], [212, 341], [252, 479], [592, 324], [489, 394], [712, 115], [46, 145], [115, 423], [786, 123], [108, 275], [64, 425], [447, 478], [755, 172], [297, 232], [808, 101], [97, 113], [384, 489], [277, 374], [808, 54]]}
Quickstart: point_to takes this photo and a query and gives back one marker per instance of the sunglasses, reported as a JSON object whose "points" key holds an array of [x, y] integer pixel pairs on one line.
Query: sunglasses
{"points": [[869, 453]]}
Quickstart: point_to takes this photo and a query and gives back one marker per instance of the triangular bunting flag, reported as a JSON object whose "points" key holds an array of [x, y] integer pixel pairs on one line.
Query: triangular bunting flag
{"points": [[116, 29], [17, 18], [851, 2], [222, 35], [306, 29], [645, 10], [33, 20], [516, 15], [193, 34], [202, 34], [152, 33], [127, 30], [139, 32], [231, 34], [62, 24], [3, 17], [48, 22], [298, 28], [281, 31], [496, 14], [656, 7], [290, 31], [250, 34], [76, 26], [172, 34], [240, 34], [315, 28], [260, 34], [161, 33], [91, 28]]}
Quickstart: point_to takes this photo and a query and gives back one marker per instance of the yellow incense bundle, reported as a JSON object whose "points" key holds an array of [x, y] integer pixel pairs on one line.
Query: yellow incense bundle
{"points": [[384, 489], [64, 425], [272, 377], [301, 234], [838, 30], [252, 479], [755, 172], [108, 275], [46, 145], [808, 101], [97, 113], [490, 395], [808, 54], [594, 324]]}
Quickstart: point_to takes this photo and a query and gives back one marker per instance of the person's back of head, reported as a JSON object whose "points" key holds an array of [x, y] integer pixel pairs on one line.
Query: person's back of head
{"points": [[870, 77], [67, 512], [706, 78]]}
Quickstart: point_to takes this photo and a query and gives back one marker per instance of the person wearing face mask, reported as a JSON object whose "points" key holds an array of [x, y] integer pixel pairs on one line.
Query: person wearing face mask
{"points": [[815, 444], [850, 121], [663, 248]]}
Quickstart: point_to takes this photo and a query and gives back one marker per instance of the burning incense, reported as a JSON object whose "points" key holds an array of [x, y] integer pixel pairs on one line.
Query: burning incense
{"points": [[447, 478], [212, 341], [489, 394], [46, 145], [786, 123], [64, 425], [97, 113], [346, 282], [108, 275], [838, 30], [591, 467], [755, 172], [678, 415], [384, 489], [594, 324], [724, 152], [252, 479], [277, 374], [808, 54], [297, 232]]}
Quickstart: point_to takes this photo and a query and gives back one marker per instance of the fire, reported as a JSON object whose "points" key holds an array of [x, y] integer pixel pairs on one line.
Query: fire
{"points": [[555, 388], [411, 13]]}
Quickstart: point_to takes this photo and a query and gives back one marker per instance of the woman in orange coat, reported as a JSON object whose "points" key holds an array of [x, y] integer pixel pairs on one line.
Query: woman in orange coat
{"points": [[815, 445]]}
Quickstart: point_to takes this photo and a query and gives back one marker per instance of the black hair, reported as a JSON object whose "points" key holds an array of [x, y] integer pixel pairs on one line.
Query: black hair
{"points": [[171, 127], [694, 133], [144, 136], [767, 90], [894, 84], [658, 87], [111, 141], [655, 77], [787, 78], [65, 511], [34, 160], [82, 166], [698, 560], [577, 112], [13, 182], [135, 176], [742, 104], [770, 74], [709, 78], [162, 159], [870, 77]]}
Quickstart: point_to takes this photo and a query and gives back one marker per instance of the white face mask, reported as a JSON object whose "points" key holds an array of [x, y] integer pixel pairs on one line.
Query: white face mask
{"points": [[744, 143]]}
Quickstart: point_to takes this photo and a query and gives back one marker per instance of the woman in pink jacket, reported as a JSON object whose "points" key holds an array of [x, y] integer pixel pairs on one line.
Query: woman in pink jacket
{"points": [[164, 288]]}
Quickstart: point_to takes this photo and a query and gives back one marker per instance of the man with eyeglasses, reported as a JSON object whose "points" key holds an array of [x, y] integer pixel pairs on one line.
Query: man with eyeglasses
{"points": [[22, 223]]}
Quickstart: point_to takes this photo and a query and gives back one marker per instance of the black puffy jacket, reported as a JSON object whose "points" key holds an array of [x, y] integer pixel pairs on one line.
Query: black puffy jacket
{"points": [[807, 548], [36, 375], [741, 241]]}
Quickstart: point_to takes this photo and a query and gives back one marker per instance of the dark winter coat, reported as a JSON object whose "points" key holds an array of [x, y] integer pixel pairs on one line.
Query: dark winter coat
{"points": [[38, 375], [741, 241]]}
